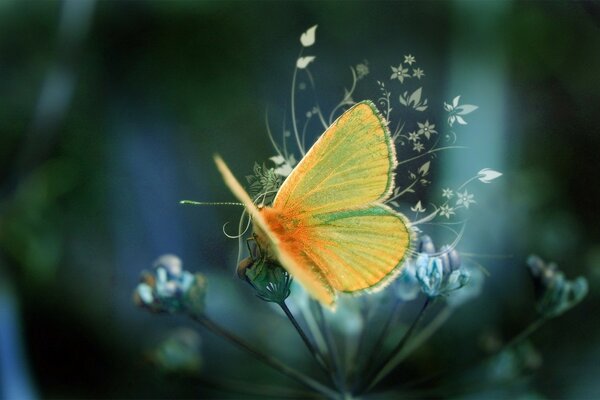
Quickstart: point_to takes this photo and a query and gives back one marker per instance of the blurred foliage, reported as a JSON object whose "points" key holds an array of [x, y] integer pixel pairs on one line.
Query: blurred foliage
{"points": [[103, 128]]}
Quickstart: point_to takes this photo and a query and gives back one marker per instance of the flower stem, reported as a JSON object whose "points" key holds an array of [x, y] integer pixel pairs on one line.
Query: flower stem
{"points": [[331, 347], [382, 371], [212, 326], [311, 348], [383, 335], [293, 106], [525, 333]]}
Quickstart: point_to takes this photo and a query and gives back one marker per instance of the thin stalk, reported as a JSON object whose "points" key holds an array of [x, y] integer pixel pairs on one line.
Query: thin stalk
{"points": [[383, 335], [440, 319], [331, 347], [362, 340], [429, 152], [525, 333], [309, 345], [381, 372], [307, 381], [293, 106], [314, 90], [423, 335], [262, 391]]}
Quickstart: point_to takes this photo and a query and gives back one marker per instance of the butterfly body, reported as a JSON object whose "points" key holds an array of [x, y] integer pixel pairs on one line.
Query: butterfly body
{"points": [[328, 224]]}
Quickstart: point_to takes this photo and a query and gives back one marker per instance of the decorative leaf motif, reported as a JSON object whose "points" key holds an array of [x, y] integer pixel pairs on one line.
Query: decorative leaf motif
{"points": [[277, 159], [487, 175], [414, 100], [455, 101], [465, 109], [415, 97], [424, 169], [402, 99], [418, 207], [308, 38], [304, 61]]}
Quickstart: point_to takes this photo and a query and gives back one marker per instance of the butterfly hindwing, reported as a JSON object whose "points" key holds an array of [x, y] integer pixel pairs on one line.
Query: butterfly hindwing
{"points": [[361, 248]]}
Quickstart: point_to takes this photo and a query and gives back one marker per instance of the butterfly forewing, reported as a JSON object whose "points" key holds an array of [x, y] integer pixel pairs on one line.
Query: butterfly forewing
{"points": [[351, 165]]}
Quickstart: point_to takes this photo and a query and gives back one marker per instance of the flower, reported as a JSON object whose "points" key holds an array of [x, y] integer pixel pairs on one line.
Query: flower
{"points": [[180, 353], [464, 199], [487, 175], [407, 286], [438, 276], [555, 294], [308, 38], [426, 129], [430, 274], [435, 274], [400, 73], [418, 146], [448, 193], [457, 110], [471, 289], [418, 73], [303, 62], [446, 211], [362, 70], [271, 282], [170, 288], [413, 136], [409, 59]]}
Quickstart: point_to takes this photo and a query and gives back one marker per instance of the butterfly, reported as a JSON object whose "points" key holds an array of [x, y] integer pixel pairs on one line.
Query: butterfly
{"points": [[328, 225]]}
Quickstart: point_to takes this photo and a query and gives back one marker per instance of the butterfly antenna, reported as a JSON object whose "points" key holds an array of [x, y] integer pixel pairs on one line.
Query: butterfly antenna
{"points": [[210, 203], [240, 234]]}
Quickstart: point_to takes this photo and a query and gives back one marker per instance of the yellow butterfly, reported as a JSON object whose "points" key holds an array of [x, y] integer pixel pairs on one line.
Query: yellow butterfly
{"points": [[328, 225]]}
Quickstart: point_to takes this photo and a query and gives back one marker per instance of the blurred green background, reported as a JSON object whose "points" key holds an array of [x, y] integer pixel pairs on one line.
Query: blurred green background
{"points": [[110, 113]]}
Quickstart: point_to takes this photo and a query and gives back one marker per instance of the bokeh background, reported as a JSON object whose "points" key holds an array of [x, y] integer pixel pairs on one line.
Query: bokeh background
{"points": [[110, 113]]}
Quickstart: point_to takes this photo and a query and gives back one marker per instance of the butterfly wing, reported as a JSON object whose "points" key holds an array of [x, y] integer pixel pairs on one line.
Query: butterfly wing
{"points": [[311, 278], [360, 248], [331, 207], [350, 165]]}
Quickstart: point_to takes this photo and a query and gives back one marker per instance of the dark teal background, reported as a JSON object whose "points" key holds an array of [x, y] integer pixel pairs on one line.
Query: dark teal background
{"points": [[110, 113]]}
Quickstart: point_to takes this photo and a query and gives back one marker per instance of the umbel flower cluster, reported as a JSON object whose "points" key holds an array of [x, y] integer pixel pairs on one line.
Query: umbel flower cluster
{"points": [[436, 277], [361, 345]]}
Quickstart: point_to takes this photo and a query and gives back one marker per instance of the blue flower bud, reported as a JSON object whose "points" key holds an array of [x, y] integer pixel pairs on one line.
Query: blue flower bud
{"points": [[430, 275], [169, 288], [425, 245], [555, 294], [407, 286]]}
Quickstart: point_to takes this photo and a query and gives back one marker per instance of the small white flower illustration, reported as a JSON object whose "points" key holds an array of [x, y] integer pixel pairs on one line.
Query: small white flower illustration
{"points": [[487, 175], [409, 59], [447, 193], [400, 73], [464, 199], [457, 110], [426, 129], [413, 136], [446, 211], [418, 73]]}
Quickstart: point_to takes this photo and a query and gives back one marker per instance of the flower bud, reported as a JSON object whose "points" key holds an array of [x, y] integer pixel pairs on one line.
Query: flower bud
{"points": [[170, 288], [425, 245], [269, 279]]}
